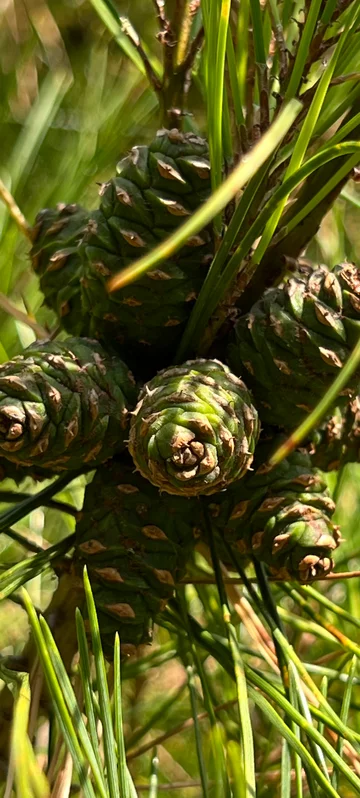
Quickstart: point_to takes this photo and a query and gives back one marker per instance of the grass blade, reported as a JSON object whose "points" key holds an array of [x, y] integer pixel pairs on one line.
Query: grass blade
{"points": [[324, 690], [345, 706], [194, 663], [257, 681], [238, 785], [216, 32], [223, 272], [345, 642], [198, 741], [308, 729], [153, 791], [297, 761], [304, 708], [26, 506], [292, 656], [103, 690], [29, 779], [344, 172], [293, 741], [258, 36], [247, 742], [112, 21], [309, 591], [304, 138], [119, 732], [63, 716], [165, 653], [28, 143], [22, 572], [246, 735], [285, 788], [85, 675], [305, 134], [242, 48], [303, 49], [217, 649], [53, 89], [233, 77], [73, 708], [310, 167]]}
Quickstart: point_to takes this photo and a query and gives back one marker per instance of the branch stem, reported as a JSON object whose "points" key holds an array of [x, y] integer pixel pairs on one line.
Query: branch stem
{"points": [[19, 315], [131, 33], [236, 580], [15, 211]]}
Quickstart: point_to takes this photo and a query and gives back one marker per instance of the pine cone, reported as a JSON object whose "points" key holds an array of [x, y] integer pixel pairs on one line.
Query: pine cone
{"points": [[338, 440], [296, 339], [158, 187], [64, 405], [56, 258], [135, 543], [280, 515], [194, 429]]}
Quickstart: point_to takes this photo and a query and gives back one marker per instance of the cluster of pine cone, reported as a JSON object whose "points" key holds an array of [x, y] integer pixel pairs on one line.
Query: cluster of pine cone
{"points": [[189, 446]]}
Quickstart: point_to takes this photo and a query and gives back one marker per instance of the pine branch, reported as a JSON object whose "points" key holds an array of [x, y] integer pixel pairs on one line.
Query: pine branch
{"points": [[160, 14], [134, 37]]}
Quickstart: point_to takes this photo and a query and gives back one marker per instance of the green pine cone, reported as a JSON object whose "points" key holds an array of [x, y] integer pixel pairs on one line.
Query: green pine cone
{"points": [[158, 187], [135, 543], [194, 429], [64, 405], [296, 339], [338, 440], [56, 258], [280, 515]]}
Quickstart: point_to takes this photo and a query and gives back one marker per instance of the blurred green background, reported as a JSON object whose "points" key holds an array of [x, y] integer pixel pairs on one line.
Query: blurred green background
{"points": [[71, 104]]}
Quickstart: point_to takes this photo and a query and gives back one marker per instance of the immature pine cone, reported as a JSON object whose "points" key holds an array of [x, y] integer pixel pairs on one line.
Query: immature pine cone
{"points": [[64, 405], [135, 543], [296, 339], [194, 429], [280, 515]]}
